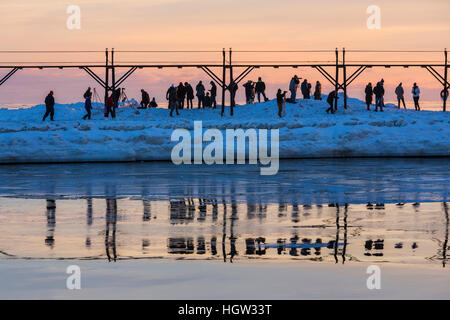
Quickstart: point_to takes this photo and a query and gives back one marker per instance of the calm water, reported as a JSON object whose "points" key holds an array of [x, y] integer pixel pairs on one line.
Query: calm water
{"points": [[325, 211]]}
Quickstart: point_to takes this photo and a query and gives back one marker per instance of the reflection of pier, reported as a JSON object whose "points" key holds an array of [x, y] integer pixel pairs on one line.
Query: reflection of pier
{"points": [[227, 240]]}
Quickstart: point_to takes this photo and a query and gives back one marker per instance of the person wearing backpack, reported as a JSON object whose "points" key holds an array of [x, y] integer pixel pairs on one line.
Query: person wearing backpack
{"points": [[416, 96], [49, 106]]}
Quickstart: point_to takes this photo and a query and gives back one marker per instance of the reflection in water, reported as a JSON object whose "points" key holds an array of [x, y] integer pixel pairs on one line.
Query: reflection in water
{"points": [[111, 227], [191, 228], [51, 223]]}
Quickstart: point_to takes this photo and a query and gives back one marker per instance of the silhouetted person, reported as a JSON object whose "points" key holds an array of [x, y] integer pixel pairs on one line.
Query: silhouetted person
{"points": [[233, 87], [88, 93], [444, 94], [200, 92], [260, 88], [145, 99], [213, 92], [400, 93], [88, 104], [109, 107], [153, 103], [249, 87], [293, 85], [330, 99], [116, 97], [208, 101], [181, 94], [281, 99], [416, 96], [318, 91], [306, 89], [171, 96], [369, 95], [189, 95], [379, 94], [49, 106]]}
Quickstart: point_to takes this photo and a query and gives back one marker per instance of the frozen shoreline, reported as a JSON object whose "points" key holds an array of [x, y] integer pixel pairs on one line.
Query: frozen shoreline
{"points": [[306, 132]]}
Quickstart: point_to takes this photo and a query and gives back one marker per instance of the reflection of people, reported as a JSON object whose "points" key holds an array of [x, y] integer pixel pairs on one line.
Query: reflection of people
{"points": [[111, 225], [51, 223], [147, 210]]}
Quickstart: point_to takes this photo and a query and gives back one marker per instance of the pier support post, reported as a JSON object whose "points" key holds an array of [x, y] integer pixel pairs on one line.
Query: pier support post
{"points": [[106, 75], [336, 85], [113, 74], [232, 94], [446, 86], [224, 79], [344, 69]]}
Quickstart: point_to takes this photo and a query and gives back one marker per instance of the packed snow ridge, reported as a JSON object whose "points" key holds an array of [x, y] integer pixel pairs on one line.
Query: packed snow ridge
{"points": [[306, 131]]}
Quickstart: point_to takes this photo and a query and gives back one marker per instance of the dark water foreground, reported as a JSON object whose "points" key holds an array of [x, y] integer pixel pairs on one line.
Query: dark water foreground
{"points": [[337, 211]]}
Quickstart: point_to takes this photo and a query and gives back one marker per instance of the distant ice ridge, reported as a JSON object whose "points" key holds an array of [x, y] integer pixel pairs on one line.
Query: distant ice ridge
{"points": [[305, 132]]}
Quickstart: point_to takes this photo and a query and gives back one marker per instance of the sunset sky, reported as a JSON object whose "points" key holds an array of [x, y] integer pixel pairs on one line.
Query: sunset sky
{"points": [[213, 25]]}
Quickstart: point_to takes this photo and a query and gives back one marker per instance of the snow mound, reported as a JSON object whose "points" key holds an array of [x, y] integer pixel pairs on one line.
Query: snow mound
{"points": [[305, 132]]}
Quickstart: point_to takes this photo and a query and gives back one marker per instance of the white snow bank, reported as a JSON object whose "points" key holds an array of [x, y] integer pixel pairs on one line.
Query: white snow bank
{"points": [[305, 131]]}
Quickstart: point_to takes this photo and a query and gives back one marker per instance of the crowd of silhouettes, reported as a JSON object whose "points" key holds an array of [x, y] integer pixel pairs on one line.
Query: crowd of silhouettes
{"points": [[182, 96]]}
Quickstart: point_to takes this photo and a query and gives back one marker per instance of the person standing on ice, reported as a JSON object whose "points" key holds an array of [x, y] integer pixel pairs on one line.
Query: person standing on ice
{"points": [[233, 87], [306, 89], [49, 106], [379, 94], [248, 91], [281, 99], [145, 99], [109, 107], [416, 95], [330, 99], [444, 94], [88, 104], [213, 92], [171, 96], [318, 91], [400, 95], [200, 88], [369, 95], [116, 97], [189, 95], [293, 85], [260, 88], [181, 94]]}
